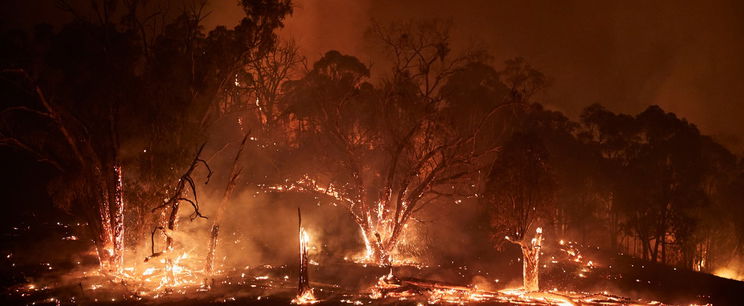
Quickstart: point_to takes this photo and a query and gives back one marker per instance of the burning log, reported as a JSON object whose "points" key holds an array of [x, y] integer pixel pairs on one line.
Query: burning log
{"points": [[389, 286], [304, 291], [412, 289], [531, 260]]}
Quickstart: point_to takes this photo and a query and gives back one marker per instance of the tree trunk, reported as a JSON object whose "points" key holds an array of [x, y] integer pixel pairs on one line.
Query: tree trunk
{"points": [[215, 231], [376, 253], [646, 245], [109, 231], [303, 284], [305, 293], [531, 262], [209, 269]]}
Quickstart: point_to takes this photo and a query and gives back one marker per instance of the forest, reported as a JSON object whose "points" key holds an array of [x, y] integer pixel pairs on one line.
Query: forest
{"points": [[180, 152]]}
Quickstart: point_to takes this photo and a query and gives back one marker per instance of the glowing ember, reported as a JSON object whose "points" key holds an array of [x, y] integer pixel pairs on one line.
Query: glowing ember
{"points": [[305, 298]]}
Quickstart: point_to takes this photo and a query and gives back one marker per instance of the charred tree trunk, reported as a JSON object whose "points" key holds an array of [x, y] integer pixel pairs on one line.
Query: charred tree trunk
{"points": [[215, 231], [646, 245], [104, 241], [305, 293], [108, 225], [531, 261], [186, 181], [116, 210], [377, 250], [209, 269], [613, 230], [303, 283]]}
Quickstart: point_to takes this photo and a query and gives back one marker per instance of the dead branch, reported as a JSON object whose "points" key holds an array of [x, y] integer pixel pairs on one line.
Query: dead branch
{"points": [[174, 201], [154, 254], [185, 179]]}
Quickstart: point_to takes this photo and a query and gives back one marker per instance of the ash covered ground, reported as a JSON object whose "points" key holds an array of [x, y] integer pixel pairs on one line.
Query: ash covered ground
{"points": [[65, 273]]}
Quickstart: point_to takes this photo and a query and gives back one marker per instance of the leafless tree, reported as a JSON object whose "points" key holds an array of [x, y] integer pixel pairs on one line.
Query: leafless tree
{"points": [[266, 76]]}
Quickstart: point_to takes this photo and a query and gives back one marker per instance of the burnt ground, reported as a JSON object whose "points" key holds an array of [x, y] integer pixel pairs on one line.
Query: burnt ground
{"points": [[39, 257], [36, 264]]}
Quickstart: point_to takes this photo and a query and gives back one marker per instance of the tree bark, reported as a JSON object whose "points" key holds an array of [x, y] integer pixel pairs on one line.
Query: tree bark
{"points": [[530, 260]]}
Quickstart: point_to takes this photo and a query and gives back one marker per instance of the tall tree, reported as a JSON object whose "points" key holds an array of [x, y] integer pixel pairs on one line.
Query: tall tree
{"points": [[387, 152], [121, 110]]}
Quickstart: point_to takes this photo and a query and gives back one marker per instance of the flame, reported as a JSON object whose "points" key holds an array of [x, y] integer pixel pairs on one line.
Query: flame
{"points": [[730, 273], [305, 237], [305, 298], [434, 293]]}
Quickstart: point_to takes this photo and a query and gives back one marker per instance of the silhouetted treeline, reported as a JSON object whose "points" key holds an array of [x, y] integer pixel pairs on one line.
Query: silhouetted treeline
{"points": [[650, 185]]}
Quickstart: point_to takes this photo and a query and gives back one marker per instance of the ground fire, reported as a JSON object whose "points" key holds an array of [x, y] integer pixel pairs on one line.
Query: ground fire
{"points": [[433, 152]]}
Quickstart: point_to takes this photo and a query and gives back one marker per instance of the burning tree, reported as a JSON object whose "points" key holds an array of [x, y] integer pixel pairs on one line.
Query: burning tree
{"points": [[530, 260], [520, 189], [90, 182], [387, 151], [304, 291], [122, 102]]}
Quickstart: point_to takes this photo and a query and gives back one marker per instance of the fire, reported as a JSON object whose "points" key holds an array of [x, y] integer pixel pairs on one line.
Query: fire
{"points": [[169, 273], [176, 274], [730, 273], [435, 293], [381, 228], [304, 291], [305, 237], [306, 298]]}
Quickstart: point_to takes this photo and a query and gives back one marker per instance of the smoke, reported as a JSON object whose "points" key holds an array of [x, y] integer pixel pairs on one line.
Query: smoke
{"points": [[733, 269], [681, 55]]}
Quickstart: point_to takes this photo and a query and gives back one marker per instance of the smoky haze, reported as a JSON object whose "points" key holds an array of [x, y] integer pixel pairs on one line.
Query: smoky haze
{"points": [[681, 55]]}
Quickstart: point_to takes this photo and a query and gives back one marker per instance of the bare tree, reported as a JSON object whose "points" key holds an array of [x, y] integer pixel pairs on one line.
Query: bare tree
{"points": [[267, 74], [184, 184]]}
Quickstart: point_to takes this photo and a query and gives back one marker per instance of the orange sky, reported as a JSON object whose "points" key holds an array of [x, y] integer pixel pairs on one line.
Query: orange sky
{"points": [[683, 55]]}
